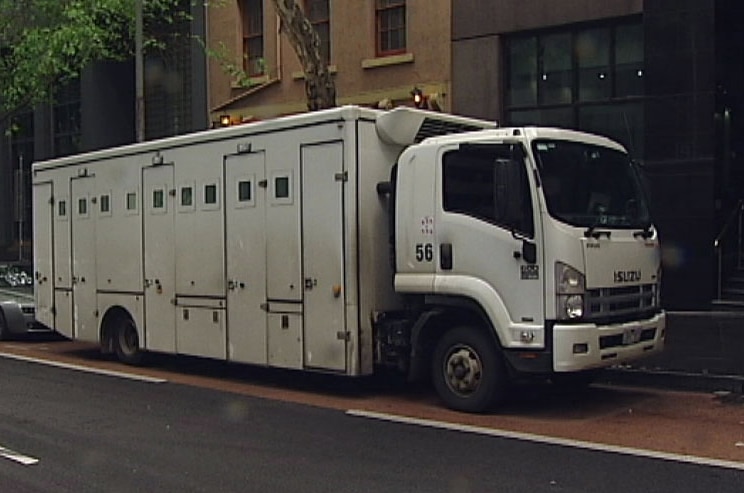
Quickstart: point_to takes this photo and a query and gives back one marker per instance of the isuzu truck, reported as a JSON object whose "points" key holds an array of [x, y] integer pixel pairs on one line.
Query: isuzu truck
{"points": [[351, 240]]}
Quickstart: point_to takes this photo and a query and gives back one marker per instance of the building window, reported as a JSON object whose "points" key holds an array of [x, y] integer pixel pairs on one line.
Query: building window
{"points": [[253, 43], [319, 14], [390, 17], [589, 78], [66, 118]]}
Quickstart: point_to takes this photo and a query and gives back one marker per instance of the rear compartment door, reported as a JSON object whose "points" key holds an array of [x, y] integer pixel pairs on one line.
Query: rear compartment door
{"points": [[43, 253], [323, 256]]}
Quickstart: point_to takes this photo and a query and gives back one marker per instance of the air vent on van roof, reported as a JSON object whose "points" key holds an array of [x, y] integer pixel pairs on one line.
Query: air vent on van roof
{"points": [[432, 128]]}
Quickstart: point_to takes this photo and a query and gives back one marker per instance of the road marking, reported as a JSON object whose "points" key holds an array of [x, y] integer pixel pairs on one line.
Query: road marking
{"points": [[530, 437], [98, 371], [15, 456]]}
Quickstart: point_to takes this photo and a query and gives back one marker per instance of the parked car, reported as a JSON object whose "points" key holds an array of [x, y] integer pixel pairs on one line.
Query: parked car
{"points": [[16, 275], [17, 309]]}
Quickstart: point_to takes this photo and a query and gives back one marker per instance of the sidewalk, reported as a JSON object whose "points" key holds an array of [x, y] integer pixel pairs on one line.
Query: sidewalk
{"points": [[704, 351]]}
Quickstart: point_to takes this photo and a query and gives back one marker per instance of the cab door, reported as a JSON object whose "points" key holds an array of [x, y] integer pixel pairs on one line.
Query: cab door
{"points": [[487, 233]]}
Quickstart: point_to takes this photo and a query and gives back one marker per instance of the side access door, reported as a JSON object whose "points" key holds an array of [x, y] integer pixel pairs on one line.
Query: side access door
{"points": [[85, 317], [323, 256], [245, 243], [44, 252], [158, 205]]}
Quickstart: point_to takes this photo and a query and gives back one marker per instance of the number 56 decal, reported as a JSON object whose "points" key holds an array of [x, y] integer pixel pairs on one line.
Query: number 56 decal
{"points": [[424, 252]]}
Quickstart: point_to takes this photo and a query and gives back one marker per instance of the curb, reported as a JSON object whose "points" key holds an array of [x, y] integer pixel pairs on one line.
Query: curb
{"points": [[673, 380]]}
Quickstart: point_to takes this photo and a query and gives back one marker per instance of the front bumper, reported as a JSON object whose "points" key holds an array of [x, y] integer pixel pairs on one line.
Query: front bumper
{"points": [[586, 346]]}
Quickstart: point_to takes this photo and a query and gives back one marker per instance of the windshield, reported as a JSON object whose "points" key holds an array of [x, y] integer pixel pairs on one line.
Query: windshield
{"points": [[590, 186]]}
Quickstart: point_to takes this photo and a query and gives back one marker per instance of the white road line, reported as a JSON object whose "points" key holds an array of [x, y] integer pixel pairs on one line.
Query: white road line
{"points": [[689, 459], [98, 371], [16, 457]]}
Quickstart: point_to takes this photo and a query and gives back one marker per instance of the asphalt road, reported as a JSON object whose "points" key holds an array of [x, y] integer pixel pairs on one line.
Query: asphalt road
{"points": [[93, 433]]}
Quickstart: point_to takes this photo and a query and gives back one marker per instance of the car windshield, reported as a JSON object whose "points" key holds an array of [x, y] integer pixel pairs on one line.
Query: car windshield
{"points": [[590, 186]]}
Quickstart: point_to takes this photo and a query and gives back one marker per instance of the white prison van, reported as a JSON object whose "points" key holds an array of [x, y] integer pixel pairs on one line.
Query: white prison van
{"points": [[347, 239]]}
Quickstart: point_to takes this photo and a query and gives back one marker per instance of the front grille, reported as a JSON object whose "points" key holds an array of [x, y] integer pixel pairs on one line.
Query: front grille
{"points": [[432, 128], [621, 303]]}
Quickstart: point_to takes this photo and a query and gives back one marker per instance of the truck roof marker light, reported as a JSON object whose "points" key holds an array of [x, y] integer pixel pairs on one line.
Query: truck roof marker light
{"points": [[244, 148], [157, 159]]}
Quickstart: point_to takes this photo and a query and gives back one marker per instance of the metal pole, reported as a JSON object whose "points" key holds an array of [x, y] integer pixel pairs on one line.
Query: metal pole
{"points": [[139, 73], [21, 207]]}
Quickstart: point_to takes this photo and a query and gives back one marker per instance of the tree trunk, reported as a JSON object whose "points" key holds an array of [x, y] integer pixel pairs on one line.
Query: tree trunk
{"points": [[320, 89]]}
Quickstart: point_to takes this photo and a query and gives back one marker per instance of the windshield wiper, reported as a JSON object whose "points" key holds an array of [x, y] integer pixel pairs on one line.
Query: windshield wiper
{"points": [[593, 232], [646, 233]]}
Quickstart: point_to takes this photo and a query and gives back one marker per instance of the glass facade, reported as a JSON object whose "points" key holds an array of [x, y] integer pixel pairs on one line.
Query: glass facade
{"points": [[589, 78]]}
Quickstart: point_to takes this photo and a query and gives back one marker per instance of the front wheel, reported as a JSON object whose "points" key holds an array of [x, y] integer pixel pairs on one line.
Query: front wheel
{"points": [[468, 371], [126, 342]]}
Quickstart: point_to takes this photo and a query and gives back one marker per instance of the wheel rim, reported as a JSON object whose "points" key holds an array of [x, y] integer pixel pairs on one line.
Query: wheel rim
{"points": [[128, 340], [463, 370]]}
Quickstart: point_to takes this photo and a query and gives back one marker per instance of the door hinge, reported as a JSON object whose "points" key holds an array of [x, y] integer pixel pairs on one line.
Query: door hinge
{"points": [[263, 183], [343, 336], [341, 176]]}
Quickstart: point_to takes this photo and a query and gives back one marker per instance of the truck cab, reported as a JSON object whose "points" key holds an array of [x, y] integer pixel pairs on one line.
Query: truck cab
{"points": [[528, 251]]}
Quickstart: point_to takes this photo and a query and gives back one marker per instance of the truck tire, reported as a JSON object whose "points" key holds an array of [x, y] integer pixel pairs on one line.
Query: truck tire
{"points": [[126, 341], [468, 371]]}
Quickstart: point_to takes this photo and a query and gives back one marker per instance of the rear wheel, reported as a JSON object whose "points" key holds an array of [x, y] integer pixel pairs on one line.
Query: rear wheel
{"points": [[468, 371], [126, 341]]}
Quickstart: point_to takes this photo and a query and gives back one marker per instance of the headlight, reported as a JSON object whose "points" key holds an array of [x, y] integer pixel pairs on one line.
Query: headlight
{"points": [[569, 289]]}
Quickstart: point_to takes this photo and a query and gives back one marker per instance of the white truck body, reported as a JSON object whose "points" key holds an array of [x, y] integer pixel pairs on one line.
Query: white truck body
{"points": [[270, 244]]}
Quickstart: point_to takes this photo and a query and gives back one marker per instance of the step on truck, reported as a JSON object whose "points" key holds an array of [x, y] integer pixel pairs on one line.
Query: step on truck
{"points": [[351, 240]]}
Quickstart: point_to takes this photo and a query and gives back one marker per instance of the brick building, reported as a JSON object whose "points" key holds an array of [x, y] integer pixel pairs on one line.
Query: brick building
{"points": [[377, 50]]}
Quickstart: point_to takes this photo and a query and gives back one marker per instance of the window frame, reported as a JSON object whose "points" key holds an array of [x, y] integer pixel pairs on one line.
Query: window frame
{"points": [[325, 41], [383, 11], [252, 65]]}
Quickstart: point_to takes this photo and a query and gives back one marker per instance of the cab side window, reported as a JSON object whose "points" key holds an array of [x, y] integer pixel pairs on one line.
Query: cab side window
{"points": [[489, 182]]}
